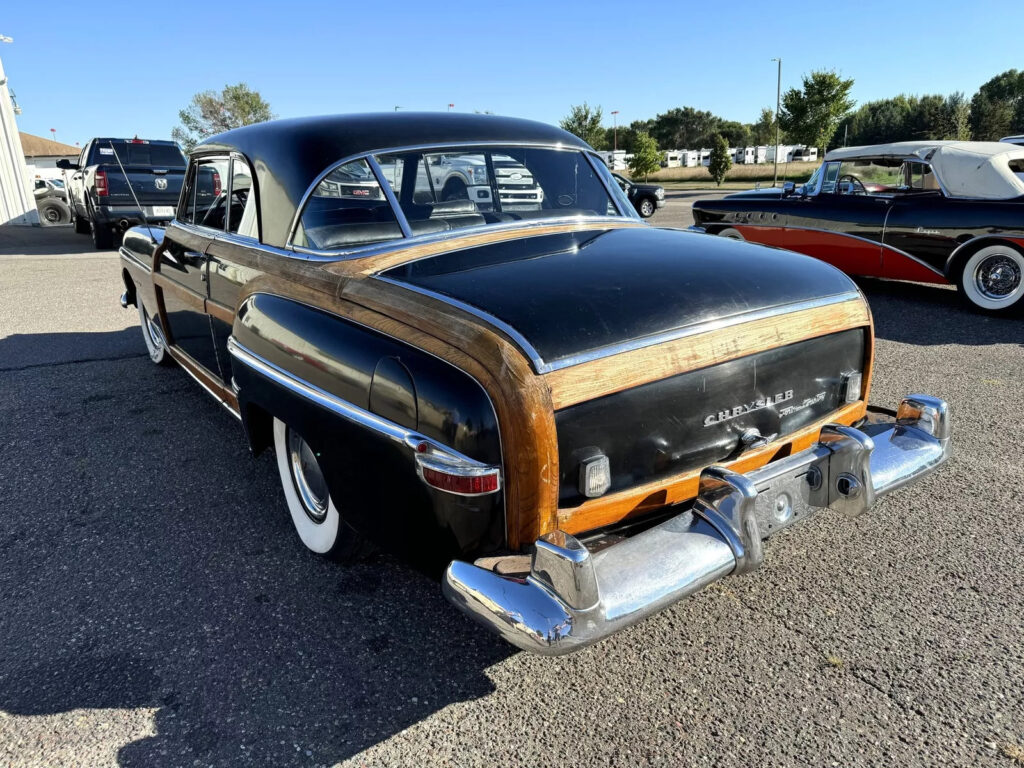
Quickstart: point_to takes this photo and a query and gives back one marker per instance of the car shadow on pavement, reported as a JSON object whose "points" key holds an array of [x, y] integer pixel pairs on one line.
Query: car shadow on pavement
{"points": [[148, 562], [42, 241], [922, 314]]}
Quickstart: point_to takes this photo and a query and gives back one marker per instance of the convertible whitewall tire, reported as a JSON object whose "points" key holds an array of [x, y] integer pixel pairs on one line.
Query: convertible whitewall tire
{"points": [[993, 278], [319, 535]]}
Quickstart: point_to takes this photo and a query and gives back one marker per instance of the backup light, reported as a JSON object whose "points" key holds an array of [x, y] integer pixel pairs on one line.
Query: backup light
{"points": [[595, 476], [852, 386]]}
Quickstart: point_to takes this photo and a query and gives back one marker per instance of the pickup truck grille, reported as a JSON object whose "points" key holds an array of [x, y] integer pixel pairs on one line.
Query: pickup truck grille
{"points": [[697, 418]]}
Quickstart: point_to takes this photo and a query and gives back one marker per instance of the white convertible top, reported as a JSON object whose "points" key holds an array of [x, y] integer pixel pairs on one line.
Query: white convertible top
{"points": [[974, 169]]}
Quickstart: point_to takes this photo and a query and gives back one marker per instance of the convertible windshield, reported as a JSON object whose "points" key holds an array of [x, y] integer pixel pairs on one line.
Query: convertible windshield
{"points": [[438, 190]]}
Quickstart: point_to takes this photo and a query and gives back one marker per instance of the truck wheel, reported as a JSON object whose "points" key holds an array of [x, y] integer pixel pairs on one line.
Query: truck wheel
{"points": [[314, 515], [992, 279], [156, 345], [54, 212], [102, 237], [81, 225], [455, 190], [647, 208]]}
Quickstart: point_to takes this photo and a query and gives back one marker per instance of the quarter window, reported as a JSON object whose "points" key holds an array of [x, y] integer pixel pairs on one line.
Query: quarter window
{"points": [[242, 205], [347, 209]]}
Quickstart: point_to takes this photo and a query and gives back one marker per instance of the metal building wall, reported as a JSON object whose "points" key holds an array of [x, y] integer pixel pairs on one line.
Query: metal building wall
{"points": [[17, 203]]}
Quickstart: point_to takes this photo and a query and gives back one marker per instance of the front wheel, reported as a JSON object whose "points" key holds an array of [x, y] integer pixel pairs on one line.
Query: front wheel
{"points": [[314, 515], [647, 208], [81, 225], [102, 237], [156, 345], [993, 279]]}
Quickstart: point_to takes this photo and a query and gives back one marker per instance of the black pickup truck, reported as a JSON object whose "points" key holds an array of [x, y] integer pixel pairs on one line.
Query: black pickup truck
{"points": [[102, 204]]}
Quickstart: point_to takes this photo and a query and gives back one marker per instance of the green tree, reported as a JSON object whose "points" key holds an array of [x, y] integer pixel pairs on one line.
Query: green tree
{"points": [[210, 113], [683, 128], [763, 131], [585, 121], [812, 114], [997, 109], [646, 158], [735, 134], [956, 117], [719, 162]]}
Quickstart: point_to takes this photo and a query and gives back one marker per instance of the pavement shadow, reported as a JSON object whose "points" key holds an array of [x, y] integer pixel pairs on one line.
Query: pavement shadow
{"points": [[922, 314], [32, 350], [42, 241], [147, 561]]}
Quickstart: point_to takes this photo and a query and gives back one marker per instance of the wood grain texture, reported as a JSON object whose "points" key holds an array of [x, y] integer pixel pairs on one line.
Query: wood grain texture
{"points": [[616, 507], [369, 265], [608, 375]]}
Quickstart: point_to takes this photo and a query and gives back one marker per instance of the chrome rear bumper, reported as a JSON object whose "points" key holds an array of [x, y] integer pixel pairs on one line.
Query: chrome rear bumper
{"points": [[573, 597]]}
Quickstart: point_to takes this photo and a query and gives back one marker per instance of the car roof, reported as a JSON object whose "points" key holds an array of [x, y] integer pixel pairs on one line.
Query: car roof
{"points": [[289, 155], [966, 169]]}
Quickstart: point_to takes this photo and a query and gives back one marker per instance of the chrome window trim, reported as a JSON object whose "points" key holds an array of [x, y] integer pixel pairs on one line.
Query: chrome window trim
{"points": [[541, 366], [615, 192], [389, 193], [364, 155], [389, 429]]}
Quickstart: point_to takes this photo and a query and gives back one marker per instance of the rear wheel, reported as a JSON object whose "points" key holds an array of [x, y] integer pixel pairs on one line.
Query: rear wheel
{"points": [[314, 515], [102, 237], [732, 234], [992, 278], [54, 212], [647, 208]]}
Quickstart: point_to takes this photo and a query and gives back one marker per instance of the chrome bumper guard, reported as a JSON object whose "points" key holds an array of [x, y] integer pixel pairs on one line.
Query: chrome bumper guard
{"points": [[573, 597]]}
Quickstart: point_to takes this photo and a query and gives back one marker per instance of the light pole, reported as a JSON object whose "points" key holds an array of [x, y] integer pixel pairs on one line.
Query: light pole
{"points": [[778, 105], [53, 132], [615, 130], [397, 108], [450, 107]]}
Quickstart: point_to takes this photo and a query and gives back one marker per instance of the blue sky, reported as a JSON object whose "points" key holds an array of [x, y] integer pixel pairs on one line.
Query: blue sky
{"points": [[127, 68]]}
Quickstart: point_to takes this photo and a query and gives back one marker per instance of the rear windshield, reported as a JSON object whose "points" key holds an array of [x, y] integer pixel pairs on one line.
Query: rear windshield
{"points": [[138, 154], [444, 189]]}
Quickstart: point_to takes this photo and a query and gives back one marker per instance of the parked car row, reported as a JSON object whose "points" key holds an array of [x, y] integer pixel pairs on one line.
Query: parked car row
{"points": [[578, 418]]}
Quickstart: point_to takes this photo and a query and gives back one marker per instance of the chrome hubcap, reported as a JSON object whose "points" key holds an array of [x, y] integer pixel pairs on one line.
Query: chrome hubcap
{"points": [[998, 276], [154, 333], [307, 478]]}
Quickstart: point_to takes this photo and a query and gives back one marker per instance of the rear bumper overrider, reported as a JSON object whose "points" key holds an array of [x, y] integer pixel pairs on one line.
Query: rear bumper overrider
{"points": [[573, 597]]}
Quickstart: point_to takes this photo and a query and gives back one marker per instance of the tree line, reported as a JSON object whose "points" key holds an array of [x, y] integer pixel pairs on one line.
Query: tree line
{"points": [[821, 113]]}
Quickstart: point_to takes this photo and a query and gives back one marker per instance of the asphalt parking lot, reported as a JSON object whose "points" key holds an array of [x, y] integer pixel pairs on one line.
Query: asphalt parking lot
{"points": [[158, 610]]}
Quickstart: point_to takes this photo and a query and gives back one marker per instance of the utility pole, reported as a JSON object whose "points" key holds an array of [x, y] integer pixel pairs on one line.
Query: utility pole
{"points": [[615, 130], [778, 106]]}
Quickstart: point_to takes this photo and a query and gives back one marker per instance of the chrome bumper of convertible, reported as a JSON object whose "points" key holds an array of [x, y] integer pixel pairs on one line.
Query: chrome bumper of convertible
{"points": [[573, 597]]}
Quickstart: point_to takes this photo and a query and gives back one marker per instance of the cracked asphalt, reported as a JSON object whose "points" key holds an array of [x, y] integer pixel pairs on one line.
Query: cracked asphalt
{"points": [[156, 608]]}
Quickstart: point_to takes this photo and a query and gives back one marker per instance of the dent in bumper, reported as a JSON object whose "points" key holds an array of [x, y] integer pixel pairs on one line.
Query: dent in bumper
{"points": [[573, 597]]}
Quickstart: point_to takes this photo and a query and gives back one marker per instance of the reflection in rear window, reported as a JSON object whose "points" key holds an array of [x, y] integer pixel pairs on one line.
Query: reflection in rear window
{"points": [[151, 155]]}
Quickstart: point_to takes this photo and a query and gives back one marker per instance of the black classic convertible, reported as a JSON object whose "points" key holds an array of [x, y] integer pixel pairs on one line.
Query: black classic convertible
{"points": [[933, 212], [580, 417]]}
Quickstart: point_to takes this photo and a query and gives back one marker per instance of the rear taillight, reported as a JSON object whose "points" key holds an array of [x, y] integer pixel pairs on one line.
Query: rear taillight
{"points": [[216, 184], [102, 190], [456, 475]]}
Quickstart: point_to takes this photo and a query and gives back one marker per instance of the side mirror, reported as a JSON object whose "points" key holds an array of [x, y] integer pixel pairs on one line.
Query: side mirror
{"points": [[66, 165], [788, 188]]}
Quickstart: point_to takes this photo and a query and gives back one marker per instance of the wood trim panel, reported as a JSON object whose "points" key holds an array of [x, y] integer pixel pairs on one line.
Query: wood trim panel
{"points": [[193, 300], [616, 507], [220, 311], [369, 265], [208, 382], [606, 376], [521, 401]]}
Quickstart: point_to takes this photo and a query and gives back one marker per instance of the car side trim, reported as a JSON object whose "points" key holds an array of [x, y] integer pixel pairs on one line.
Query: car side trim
{"points": [[411, 439]]}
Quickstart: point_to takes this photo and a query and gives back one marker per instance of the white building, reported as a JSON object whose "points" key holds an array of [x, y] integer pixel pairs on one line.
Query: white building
{"points": [[17, 203], [41, 156]]}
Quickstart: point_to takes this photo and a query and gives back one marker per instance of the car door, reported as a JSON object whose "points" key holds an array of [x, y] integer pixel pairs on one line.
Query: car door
{"points": [[76, 183], [841, 222], [183, 263]]}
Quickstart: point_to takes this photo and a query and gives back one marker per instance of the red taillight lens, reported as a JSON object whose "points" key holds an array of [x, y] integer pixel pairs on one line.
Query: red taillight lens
{"points": [[465, 478], [216, 184], [102, 190]]}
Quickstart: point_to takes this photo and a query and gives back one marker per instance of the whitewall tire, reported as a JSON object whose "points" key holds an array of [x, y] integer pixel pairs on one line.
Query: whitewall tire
{"points": [[313, 513], [732, 234], [993, 278], [152, 334]]}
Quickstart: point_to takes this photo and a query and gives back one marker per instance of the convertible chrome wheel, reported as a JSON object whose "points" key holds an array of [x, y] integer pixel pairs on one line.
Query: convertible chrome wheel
{"points": [[153, 336], [314, 515], [993, 278]]}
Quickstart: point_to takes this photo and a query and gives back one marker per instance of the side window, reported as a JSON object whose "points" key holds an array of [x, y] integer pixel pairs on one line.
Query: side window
{"points": [[829, 176], [242, 205], [204, 202], [347, 209]]}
